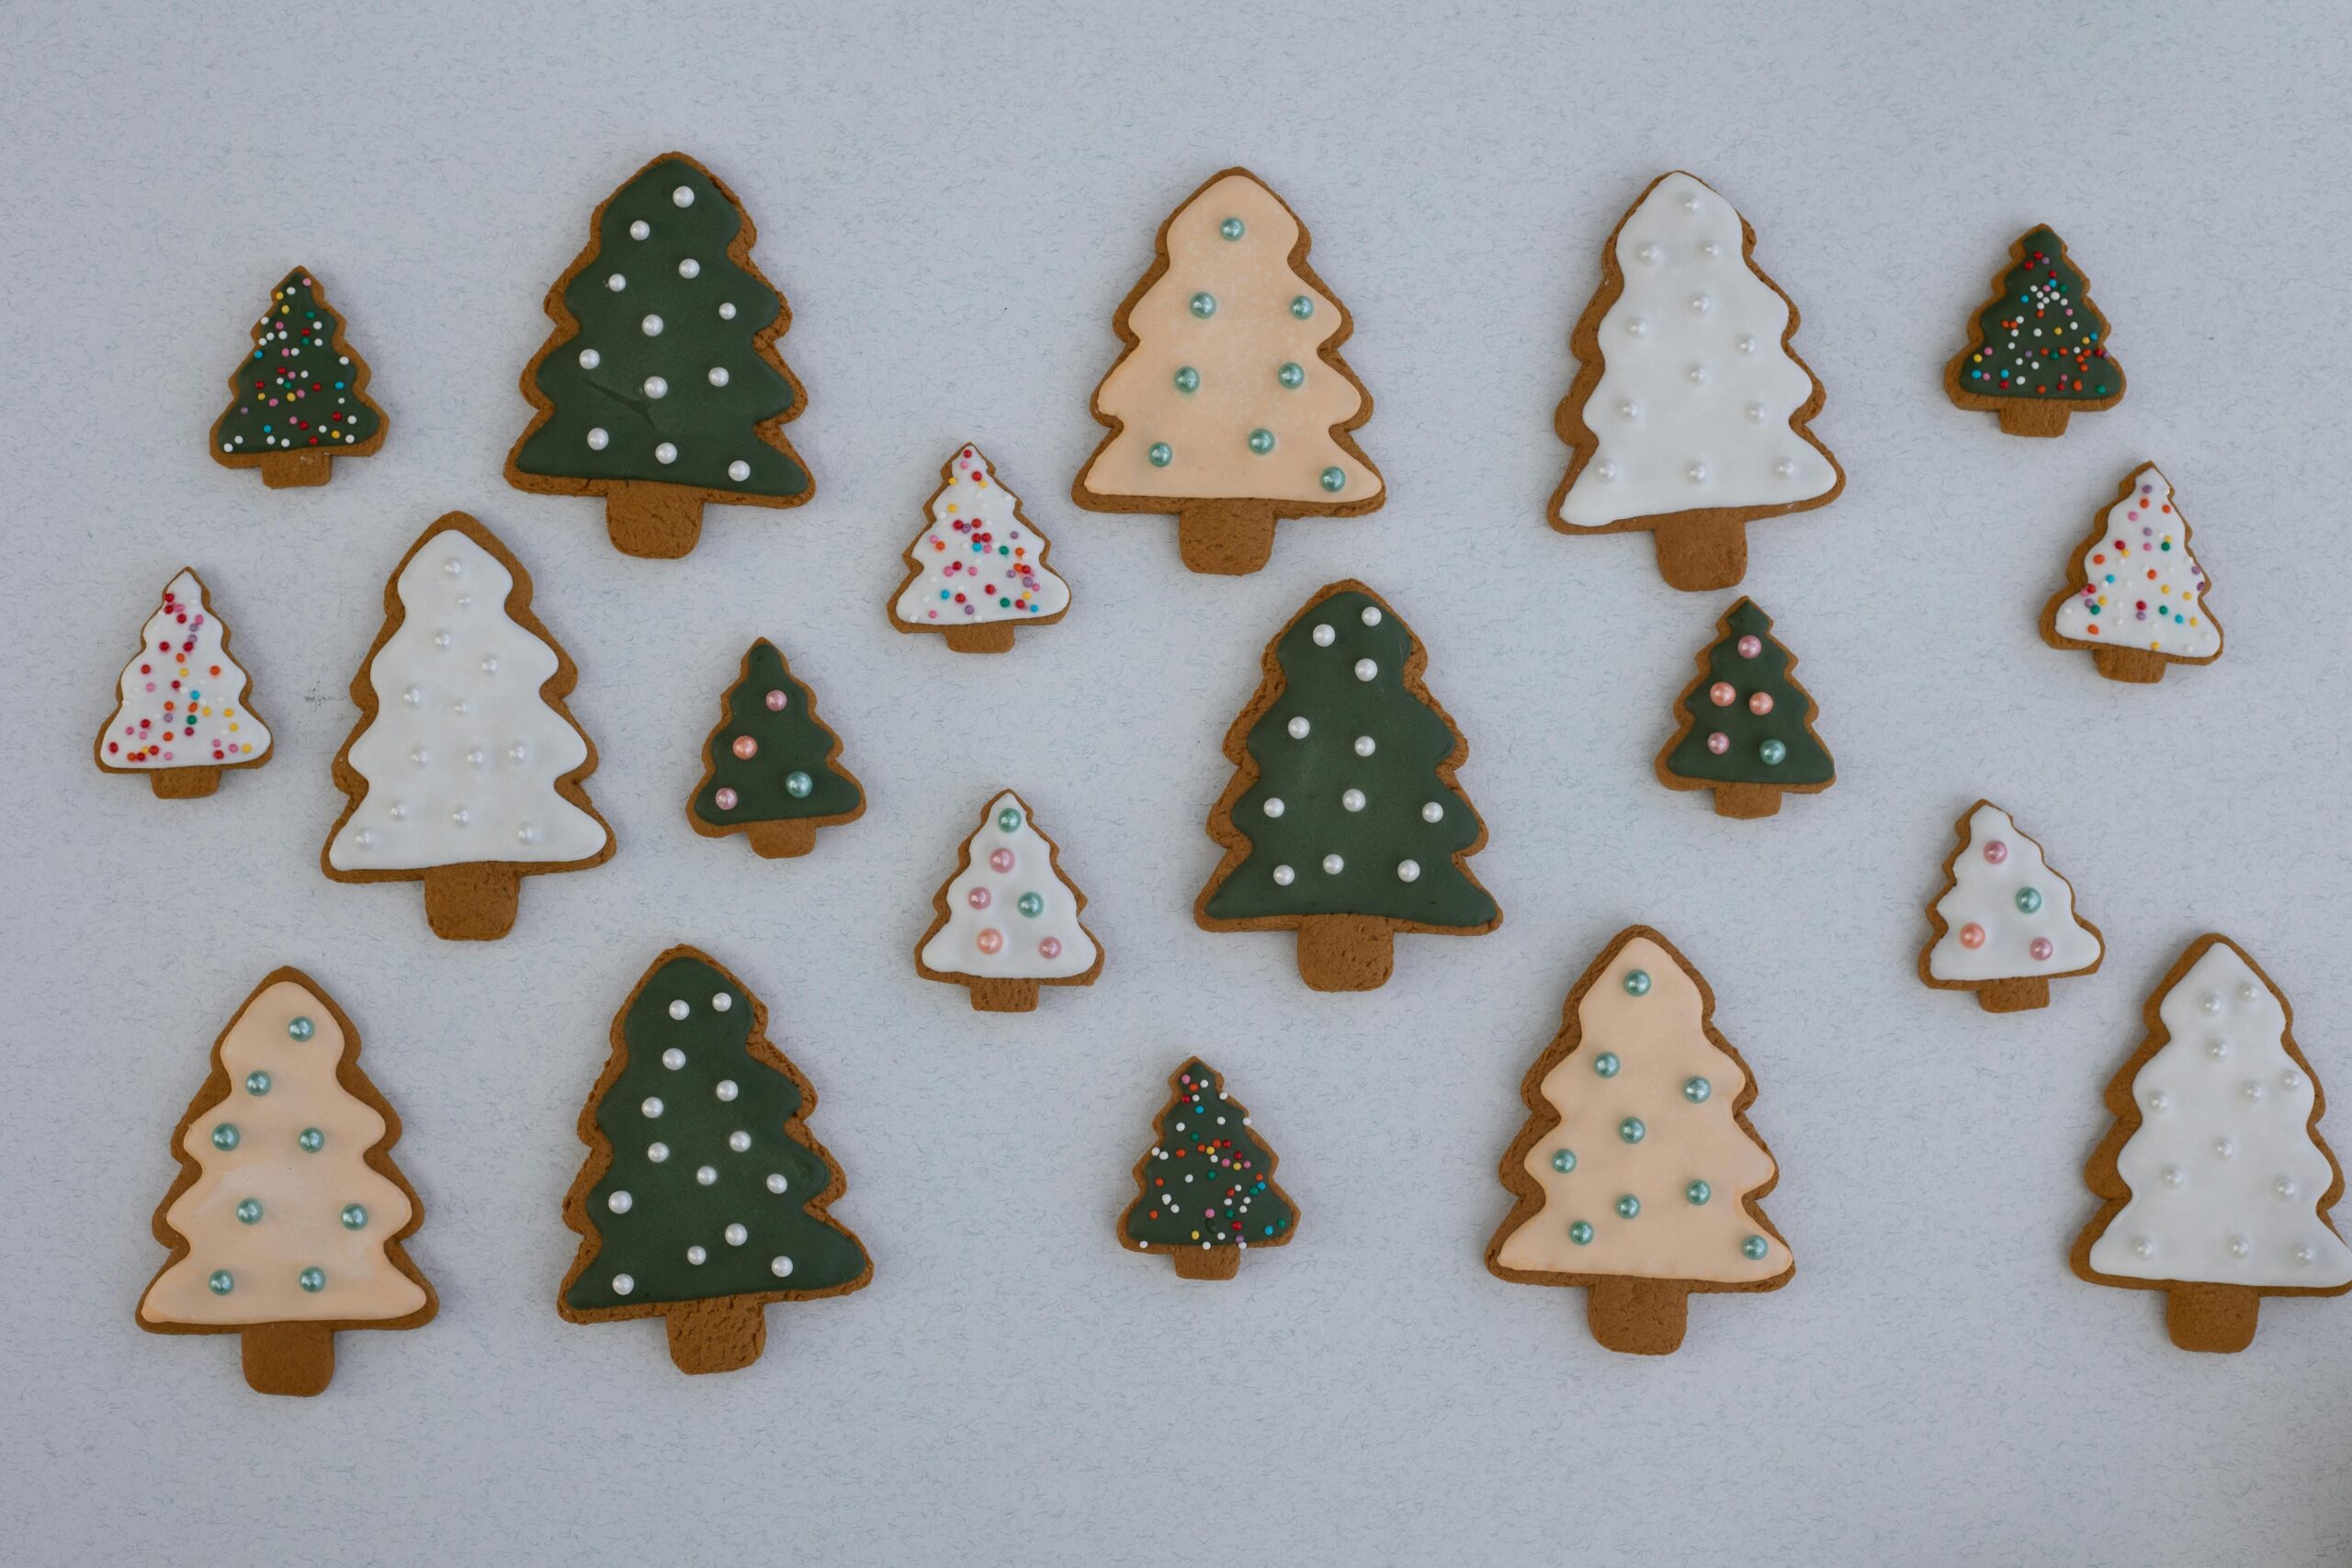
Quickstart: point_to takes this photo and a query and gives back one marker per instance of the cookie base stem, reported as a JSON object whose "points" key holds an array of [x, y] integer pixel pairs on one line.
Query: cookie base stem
{"points": [[1227, 537], [2033, 418], [1208, 1262], [2135, 666], [781, 841], [1003, 996], [288, 1357], [985, 637], [184, 783], [1345, 953], [724, 1334], [292, 470], [1747, 800], [1640, 1317], [2212, 1318], [652, 522], [1703, 553], [2018, 993], [472, 901]]}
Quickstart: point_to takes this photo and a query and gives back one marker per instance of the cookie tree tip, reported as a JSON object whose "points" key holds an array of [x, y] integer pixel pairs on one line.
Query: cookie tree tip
{"points": [[300, 400]]}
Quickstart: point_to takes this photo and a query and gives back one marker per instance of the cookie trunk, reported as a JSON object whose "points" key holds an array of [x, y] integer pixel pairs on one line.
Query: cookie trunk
{"points": [[1345, 953], [782, 841], [1226, 539], [292, 470], [1700, 554], [1208, 1262], [2134, 666], [2033, 418], [288, 1357], [984, 636], [2018, 993], [725, 1333], [472, 901], [184, 783], [1640, 1317], [1003, 996], [652, 522], [2212, 1318], [1747, 801]]}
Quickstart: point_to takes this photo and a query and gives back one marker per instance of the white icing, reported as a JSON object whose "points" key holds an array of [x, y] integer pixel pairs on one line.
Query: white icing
{"points": [[1690, 349], [2142, 588], [1986, 894], [2226, 1218], [425, 805], [980, 562], [171, 679], [955, 948]]}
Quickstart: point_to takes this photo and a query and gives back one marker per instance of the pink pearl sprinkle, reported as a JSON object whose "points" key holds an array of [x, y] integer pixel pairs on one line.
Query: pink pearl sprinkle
{"points": [[1721, 695], [1749, 646], [990, 939], [1000, 860], [1996, 851], [1971, 936], [746, 748], [1719, 743], [1051, 947], [1760, 704], [726, 798], [775, 701], [979, 897], [2041, 950]]}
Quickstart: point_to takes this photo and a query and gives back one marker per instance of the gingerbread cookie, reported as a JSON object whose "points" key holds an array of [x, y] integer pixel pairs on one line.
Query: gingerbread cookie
{"points": [[772, 769], [1205, 1191], [977, 570], [1637, 1175], [2005, 925], [1007, 921], [1747, 730], [465, 768], [1230, 406], [1343, 821], [1690, 414], [2037, 350], [2214, 1180], [181, 715], [2134, 594], [287, 1220], [661, 388], [300, 400], [704, 1196]]}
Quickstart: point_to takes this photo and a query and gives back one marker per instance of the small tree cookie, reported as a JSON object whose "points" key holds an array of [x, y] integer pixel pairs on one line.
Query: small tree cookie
{"points": [[181, 715], [1230, 406], [2214, 1180], [2134, 594], [772, 769], [1008, 921], [465, 768], [1205, 1192], [1747, 730], [1690, 414], [287, 1220], [661, 388], [1637, 1175], [1343, 821], [300, 400], [977, 570], [2037, 350], [2005, 925], [704, 1196]]}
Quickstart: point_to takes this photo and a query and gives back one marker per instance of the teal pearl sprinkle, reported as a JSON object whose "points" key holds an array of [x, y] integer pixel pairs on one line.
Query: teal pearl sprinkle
{"points": [[249, 1212], [1628, 1206], [1302, 307], [797, 786], [1698, 1192], [1232, 229], [224, 1137], [1697, 1091], [222, 1282], [1032, 904], [312, 1280], [1161, 454], [1205, 304], [1563, 1160], [1334, 480], [1291, 375], [2029, 900], [1631, 1130], [256, 1083], [1771, 752], [1606, 1064], [300, 1028], [353, 1216], [312, 1140], [1754, 1249], [1188, 379], [1637, 983], [1008, 820], [1262, 442], [1580, 1233]]}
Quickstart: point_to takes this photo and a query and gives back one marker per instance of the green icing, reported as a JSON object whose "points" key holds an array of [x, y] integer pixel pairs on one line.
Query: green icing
{"points": [[710, 426], [668, 1210], [1208, 1178], [294, 391], [790, 741], [2042, 338], [1806, 760], [1311, 776]]}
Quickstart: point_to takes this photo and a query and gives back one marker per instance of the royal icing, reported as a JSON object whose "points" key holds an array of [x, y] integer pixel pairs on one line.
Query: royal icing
{"points": [[286, 1221], [2006, 914], [1353, 810], [1011, 914], [2224, 1174], [1747, 721], [1696, 404], [710, 1189], [2141, 587], [463, 753], [2042, 338], [1226, 390], [181, 699], [301, 389], [1646, 1173], [1208, 1181], [979, 560]]}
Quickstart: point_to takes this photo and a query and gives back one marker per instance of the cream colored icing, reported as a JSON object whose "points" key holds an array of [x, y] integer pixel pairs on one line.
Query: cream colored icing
{"points": [[2142, 586], [1983, 895], [955, 948], [1660, 1045], [1005, 578], [1238, 353], [172, 711], [302, 1194]]}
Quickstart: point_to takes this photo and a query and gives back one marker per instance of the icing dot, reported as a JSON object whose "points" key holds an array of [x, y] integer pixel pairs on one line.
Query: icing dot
{"points": [[1563, 1160], [665, 453], [1352, 800], [1637, 983], [1283, 876], [679, 1008], [1160, 455], [739, 470], [623, 1284], [1188, 379], [1407, 871], [1697, 1194], [1606, 1065], [650, 326], [620, 1202], [1628, 1206], [1971, 936], [640, 229], [780, 1266], [684, 196], [1580, 1233], [1298, 727], [777, 1183], [1205, 305], [590, 359], [1754, 1249], [1631, 1130], [1333, 865], [1273, 807], [300, 1028], [1323, 635], [1366, 669], [1696, 1091]]}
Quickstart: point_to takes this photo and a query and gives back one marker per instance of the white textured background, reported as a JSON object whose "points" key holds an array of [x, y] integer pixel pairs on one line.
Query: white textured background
{"points": [[954, 204]]}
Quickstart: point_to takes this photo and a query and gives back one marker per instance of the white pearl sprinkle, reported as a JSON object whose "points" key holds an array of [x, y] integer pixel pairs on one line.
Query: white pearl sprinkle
{"points": [[1273, 807], [1638, 327], [1283, 876], [1701, 304], [665, 453], [1755, 413], [419, 755], [2284, 1187], [1370, 615], [1604, 472], [706, 1174], [655, 387], [720, 1002], [1365, 746], [2144, 1246], [1747, 345], [1689, 201], [1711, 249], [1786, 468], [2291, 1081], [618, 1203], [717, 376], [2240, 1246], [1298, 727], [598, 438], [2174, 1176], [590, 359], [689, 267], [2211, 1001], [727, 312], [1628, 409], [1333, 865], [617, 283], [657, 1152], [526, 834], [413, 697], [2245, 991], [650, 1105], [679, 1008], [1352, 799], [623, 1284], [780, 1266], [650, 326], [2304, 1252], [695, 1255], [365, 837], [673, 1058], [397, 811], [1648, 253], [736, 1236], [640, 229], [1407, 870], [441, 639], [517, 752], [726, 1089], [476, 756], [1698, 375], [738, 1141], [1323, 635], [2224, 1148], [460, 816], [2159, 1100], [2217, 1048], [777, 1183], [2251, 1089], [1366, 669], [1432, 812], [684, 196], [739, 470], [1695, 472]]}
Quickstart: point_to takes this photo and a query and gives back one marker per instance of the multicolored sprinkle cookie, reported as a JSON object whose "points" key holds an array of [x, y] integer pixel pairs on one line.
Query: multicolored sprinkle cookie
{"points": [[181, 715], [2037, 350], [2134, 594], [977, 570], [300, 400], [1205, 1191]]}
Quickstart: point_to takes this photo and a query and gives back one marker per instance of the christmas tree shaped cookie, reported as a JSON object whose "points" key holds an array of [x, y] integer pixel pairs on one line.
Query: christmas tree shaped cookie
{"points": [[1007, 921], [661, 388], [2134, 594], [180, 714], [977, 572], [1637, 1175], [1690, 413], [465, 768], [704, 1197], [2037, 350], [2005, 926], [1205, 1191], [2215, 1183], [1231, 406], [1747, 730], [1342, 821], [287, 1220], [772, 769], [300, 400]]}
